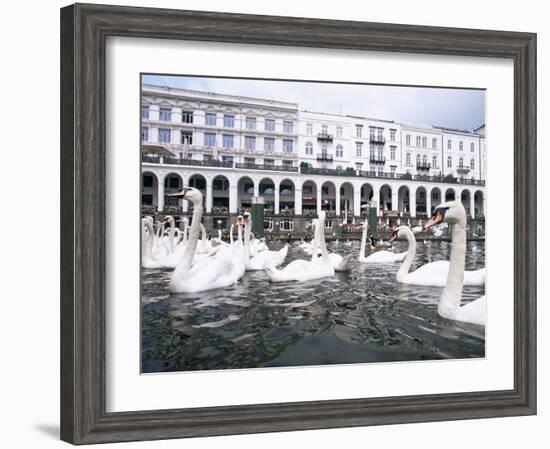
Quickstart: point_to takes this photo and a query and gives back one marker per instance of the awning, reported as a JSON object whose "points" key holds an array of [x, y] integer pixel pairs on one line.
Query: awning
{"points": [[157, 150]]}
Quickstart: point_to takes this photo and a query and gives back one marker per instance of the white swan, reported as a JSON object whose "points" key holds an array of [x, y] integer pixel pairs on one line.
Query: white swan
{"points": [[449, 304], [264, 258], [382, 256], [148, 260], [304, 270], [218, 271], [433, 273], [339, 263]]}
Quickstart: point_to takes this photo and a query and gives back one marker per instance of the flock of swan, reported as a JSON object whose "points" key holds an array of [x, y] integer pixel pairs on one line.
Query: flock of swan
{"points": [[201, 264]]}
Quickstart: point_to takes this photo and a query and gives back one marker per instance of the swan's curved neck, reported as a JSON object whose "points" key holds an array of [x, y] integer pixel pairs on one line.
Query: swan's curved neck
{"points": [[231, 233], [449, 304], [411, 253], [247, 226], [322, 242], [203, 234], [315, 242], [362, 256], [187, 259], [172, 233]]}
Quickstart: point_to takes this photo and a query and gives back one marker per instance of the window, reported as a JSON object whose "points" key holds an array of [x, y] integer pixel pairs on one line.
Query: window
{"points": [[408, 159], [424, 142], [472, 147], [461, 162], [461, 145], [287, 224], [418, 141], [228, 159], [380, 153], [269, 124], [164, 135], [287, 146], [392, 135], [209, 139], [187, 116], [210, 119], [268, 224], [324, 149], [472, 164], [145, 112], [269, 162], [392, 170], [249, 161], [434, 161], [187, 136], [309, 148], [339, 151], [288, 127], [249, 143], [372, 151], [165, 114], [418, 159], [392, 153], [434, 143], [359, 130], [339, 132], [408, 139], [229, 121], [147, 181], [358, 148], [250, 122], [449, 145], [449, 162], [328, 224], [309, 129], [144, 134], [269, 144], [228, 141], [425, 160]]}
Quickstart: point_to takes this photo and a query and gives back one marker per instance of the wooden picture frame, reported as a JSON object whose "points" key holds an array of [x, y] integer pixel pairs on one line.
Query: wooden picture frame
{"points": [[84, 29]]}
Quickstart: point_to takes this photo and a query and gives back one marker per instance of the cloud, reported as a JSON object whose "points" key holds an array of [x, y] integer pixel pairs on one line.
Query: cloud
{"points": [[454, 108]]}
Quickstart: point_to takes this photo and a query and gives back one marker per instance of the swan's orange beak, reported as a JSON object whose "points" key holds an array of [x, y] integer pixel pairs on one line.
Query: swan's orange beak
{"points": [[437, 218]]}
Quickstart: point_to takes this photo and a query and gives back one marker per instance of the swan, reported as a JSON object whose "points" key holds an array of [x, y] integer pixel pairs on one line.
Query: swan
{"points": [[449, 307], [338, 262], [378, 256], [433, 273], [217, 271], [264, 258], [305, 270], [148, 260]]}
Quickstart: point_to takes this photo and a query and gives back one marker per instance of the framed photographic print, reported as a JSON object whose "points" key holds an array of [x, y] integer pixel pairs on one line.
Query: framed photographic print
{"points": [[268, 223]]}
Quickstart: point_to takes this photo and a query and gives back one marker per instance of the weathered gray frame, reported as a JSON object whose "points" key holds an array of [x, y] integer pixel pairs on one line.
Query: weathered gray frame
{"points": [[84, 29]]}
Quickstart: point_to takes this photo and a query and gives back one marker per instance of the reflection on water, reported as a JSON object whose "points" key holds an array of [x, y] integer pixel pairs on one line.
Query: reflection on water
{"points": [[360, 316]]}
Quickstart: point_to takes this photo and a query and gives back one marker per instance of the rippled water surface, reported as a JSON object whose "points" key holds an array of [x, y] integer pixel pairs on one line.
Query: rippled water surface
{"points": [[360, 316]]}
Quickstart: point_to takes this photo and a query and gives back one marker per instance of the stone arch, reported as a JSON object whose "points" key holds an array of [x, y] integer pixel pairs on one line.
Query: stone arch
{"points": [[450, 194], [328, 197], [404, 199], [221, 186], [435, 199], [287, 196], [421, 201], [385, 198], [149, 191], [246, 188], [309, 197]]}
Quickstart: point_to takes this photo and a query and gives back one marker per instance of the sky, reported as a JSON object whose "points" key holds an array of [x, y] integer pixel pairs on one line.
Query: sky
{"points": [[451, 108]]}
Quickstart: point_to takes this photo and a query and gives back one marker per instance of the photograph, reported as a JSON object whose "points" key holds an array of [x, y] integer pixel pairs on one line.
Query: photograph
{"points": [[299, 223]]}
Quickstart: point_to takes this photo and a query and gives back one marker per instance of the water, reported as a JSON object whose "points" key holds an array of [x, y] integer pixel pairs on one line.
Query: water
{"points": [[360, 316]]}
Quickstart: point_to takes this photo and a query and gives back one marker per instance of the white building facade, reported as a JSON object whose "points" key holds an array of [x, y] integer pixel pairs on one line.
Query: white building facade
{"points": [[235, 148]]}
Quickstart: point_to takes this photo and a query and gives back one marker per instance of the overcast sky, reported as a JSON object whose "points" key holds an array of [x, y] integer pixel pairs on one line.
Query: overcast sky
{"points": [[452, 108]]}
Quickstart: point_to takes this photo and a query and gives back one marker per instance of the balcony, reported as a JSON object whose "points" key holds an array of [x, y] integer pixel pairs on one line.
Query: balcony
{"points": [[377, 159], [324, 157], [324, 137], [462, 170], [189, 162], [423, 166], [327, 171], [271, 167], [377, 140]]}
